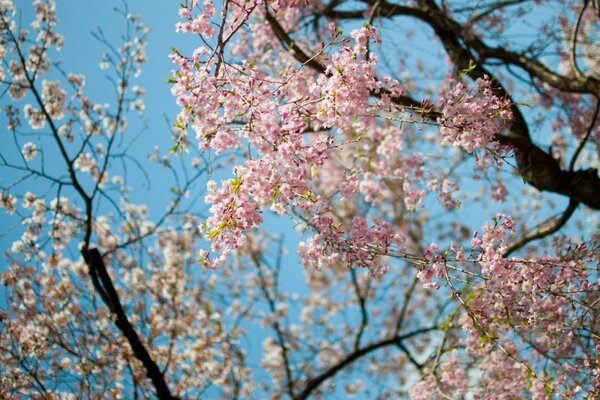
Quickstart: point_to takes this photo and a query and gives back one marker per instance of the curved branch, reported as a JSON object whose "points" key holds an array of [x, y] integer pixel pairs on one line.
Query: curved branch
{"points": [[314, 383], [289, 44], [576, 69], [542, 171], [546, 228], [409, 355], [404, 308]]}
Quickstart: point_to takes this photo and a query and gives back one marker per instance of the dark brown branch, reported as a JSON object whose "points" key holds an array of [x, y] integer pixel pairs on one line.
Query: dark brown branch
{"points": [[404, 307], [547, 228], [573, 60], [589, 85], [386, 10], [408, 354], [109, 295], [290, 46], [313, 383], [345, 14], [493, 7], [541, 170]]}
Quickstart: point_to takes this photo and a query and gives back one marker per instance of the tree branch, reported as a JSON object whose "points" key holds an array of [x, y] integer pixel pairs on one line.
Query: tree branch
{"points": [[109, 295], [314, 383], [546, 228]]}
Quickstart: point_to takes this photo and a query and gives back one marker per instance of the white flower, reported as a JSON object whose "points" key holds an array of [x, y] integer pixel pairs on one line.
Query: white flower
{"points": [[29, 151]]}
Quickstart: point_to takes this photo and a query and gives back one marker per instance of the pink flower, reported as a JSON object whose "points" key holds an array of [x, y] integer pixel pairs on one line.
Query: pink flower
{"points": [[472, 116]]}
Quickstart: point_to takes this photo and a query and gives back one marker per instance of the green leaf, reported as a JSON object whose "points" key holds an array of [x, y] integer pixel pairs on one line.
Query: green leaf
{"points": [[447, 324], [212, 234], [179, 148], [235, 185], [469, 68]]}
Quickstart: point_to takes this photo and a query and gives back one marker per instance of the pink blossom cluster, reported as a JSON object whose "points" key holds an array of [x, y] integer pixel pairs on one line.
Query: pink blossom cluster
{"points": [[363, 246], [362, 37], [452, 379], [53, 317], [472, 116], [346, 88], [227, 105], [517, 303], [200, 24]]}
